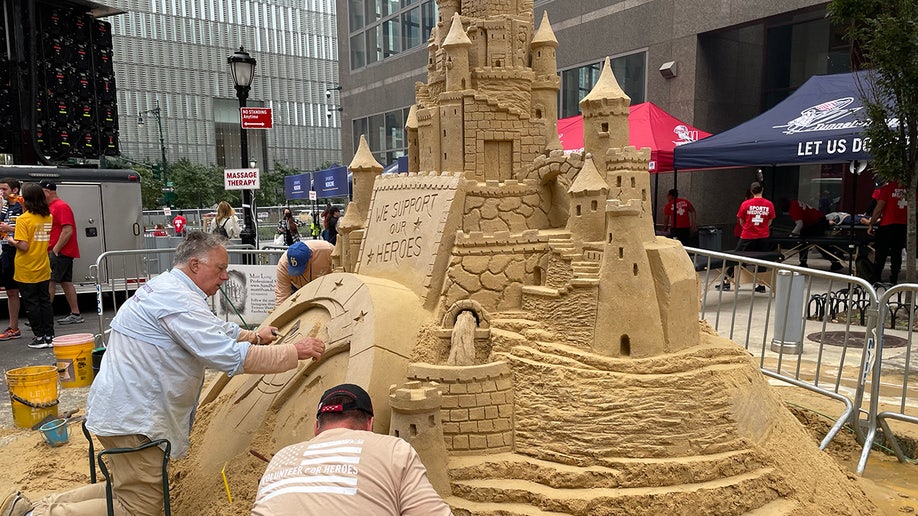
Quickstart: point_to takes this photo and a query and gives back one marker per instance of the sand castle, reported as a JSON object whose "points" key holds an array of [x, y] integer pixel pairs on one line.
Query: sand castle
{"points": [[532, 337]]}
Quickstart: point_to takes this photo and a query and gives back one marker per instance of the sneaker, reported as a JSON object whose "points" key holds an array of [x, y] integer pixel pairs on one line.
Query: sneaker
{"points": [[10, 333], [803, 264], [724, 287], [760, 288], [15, 504], [836, 266], [41, 343], [71, 319]]}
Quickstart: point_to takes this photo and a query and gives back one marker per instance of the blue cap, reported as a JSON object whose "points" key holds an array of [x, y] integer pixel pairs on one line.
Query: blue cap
{"points": [[298, 255]]}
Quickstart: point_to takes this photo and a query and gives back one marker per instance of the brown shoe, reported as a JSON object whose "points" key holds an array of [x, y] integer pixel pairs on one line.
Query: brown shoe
{"points": [[15, 504]]}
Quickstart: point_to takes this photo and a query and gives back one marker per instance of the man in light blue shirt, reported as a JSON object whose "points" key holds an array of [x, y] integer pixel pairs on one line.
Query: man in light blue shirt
{"points": [[151, 376]]}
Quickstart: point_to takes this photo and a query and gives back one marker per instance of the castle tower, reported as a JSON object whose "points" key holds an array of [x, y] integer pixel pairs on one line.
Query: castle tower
{"points": [[588, 192], [411, 129], [456, 47], [605, 115], [415, 417], [364, 170], [547, 83]]}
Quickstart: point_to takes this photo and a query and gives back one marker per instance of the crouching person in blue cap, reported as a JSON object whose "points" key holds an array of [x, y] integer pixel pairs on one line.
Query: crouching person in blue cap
{"points": [[346, 468], [301, 263]]}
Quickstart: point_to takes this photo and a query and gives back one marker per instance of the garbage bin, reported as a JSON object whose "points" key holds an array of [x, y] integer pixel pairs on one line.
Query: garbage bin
{"points": [[710, 238], [788, 313]]}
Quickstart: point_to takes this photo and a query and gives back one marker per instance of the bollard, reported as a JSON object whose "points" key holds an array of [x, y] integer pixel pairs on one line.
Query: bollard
{"points": [[788, 313]]}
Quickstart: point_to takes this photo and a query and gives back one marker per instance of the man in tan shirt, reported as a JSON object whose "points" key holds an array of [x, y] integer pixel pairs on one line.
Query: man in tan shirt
{"points": [[301, 263], [347, 469]]}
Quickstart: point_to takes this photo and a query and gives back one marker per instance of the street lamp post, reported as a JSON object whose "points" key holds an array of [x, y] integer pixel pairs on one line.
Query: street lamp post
{"points": [[242, 66], [168, 195]]}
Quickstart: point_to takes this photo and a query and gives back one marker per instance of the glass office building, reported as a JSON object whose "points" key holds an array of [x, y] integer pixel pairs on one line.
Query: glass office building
{"points": [[172, 54]]}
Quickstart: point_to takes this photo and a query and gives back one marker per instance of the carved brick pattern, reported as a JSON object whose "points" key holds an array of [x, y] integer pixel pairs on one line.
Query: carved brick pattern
{"points": [[477, 405]]}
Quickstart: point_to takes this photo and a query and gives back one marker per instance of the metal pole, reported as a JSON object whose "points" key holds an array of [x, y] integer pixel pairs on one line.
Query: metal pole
{"points": [[248, 235], [162, 146]]}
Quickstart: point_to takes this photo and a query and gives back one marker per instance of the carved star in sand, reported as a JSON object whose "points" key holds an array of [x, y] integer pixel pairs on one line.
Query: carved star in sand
{"points": [[360, 317], [417, 224], [338, 283]]}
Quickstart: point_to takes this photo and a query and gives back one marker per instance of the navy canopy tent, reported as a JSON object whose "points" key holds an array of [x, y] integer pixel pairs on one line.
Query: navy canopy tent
{"points": [[821, 122]]}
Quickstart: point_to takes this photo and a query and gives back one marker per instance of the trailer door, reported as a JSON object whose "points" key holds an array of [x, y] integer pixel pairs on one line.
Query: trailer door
{"points": [[86, 202]]}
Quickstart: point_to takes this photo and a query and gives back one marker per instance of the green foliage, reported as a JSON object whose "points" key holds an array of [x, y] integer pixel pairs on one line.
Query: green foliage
{"points": [[884, 34], [200, 186]]}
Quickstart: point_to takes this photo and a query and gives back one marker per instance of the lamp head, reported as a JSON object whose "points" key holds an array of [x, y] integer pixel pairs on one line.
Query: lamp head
{"points": [[242, 66]]}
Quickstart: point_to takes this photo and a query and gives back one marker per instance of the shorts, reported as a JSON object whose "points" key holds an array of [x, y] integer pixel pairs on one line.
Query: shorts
{"points": [[61, 268], [7, 268]]}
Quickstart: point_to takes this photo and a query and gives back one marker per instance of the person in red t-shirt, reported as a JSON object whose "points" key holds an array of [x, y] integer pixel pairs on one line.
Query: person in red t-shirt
{"points": [[62, 250], [891, 213], [754, 215], [808, 221], [179, 223], [684, 225]]}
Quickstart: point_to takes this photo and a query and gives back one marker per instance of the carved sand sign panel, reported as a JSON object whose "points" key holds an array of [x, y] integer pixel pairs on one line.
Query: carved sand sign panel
{"points": [[410, 232]]}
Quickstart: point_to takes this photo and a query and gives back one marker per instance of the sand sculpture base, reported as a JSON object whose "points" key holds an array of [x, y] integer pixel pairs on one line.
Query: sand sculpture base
{"points": [[547, 428]]}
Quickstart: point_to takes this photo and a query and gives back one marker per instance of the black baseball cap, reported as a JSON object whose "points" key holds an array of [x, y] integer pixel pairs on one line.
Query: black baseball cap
{"points": [[360, 400], [48, 185]]}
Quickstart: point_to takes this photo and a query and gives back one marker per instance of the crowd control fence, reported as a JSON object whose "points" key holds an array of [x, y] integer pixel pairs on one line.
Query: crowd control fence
{"points": [[834, 334]]}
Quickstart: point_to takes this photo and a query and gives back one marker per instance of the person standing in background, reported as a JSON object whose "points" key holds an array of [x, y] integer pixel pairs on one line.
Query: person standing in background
{"points": [[754, 217], [889, 223], [12, 209], [226, 220], [33, 268], [62, 250], [288, 227], [683, 225], [332, 226], [179, 223]]}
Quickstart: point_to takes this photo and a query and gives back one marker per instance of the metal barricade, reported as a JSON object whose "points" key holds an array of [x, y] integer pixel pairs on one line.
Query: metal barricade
{"points": [[737, 300], [137, 266], [891, 396]]}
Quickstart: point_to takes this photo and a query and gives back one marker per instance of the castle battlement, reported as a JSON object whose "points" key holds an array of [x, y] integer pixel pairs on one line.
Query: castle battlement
{"points": [[616, 208]]}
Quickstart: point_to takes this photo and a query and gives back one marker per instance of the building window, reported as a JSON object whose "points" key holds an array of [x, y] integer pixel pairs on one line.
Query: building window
{"points": [[384, 28], [630, 72], [385, 133]]}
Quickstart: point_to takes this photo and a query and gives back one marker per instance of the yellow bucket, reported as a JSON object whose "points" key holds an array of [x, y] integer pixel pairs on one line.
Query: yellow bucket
{"points": [[74, 359], [33, 394]]}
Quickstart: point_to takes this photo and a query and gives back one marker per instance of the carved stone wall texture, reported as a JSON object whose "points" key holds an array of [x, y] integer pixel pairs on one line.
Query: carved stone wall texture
{"points": [[570, 316], [492, 269], [512, 205], [477, 405]]}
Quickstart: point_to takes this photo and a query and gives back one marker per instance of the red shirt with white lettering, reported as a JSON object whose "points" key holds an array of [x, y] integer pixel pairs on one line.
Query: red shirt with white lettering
{"points": [[683, 208], [755, 215], [896, 209]]}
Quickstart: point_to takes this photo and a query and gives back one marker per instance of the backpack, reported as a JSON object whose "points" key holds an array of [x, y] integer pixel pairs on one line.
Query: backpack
{"points": [[221, 229]]}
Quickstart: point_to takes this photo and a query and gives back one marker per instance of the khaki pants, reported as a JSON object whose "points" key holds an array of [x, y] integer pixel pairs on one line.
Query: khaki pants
{"points": [[137, 484]]}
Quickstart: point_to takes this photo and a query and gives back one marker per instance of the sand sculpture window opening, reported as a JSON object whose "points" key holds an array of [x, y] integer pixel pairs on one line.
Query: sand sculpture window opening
{"points": [[463, 83], [624, 346], [610, 238], [538, 113], [618, 181], [621, 253], [444, 133], [538, 276], [634, 269], [605, 127], [593, 205], [578, 210], [633, 182], [643, 194], [413, 430]]}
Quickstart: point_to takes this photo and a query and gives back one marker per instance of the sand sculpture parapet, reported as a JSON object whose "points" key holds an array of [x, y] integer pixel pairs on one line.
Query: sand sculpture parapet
{"points": [[477, 406]]}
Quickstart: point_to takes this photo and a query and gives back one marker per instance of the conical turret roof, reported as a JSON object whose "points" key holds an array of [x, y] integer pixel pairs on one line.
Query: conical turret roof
{"points": [[545, 35], [606, 88], [456, 36], [363, 159], [588, 179]]}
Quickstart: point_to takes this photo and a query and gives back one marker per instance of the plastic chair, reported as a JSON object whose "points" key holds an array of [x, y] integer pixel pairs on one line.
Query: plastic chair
{"points": [[167, 508]]}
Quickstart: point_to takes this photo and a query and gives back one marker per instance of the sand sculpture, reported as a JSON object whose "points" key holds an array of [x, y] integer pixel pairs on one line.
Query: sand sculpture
{"points": [[533, 338]]}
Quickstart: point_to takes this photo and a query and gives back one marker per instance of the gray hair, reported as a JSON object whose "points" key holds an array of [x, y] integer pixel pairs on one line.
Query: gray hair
{"points": [[197, 244]]}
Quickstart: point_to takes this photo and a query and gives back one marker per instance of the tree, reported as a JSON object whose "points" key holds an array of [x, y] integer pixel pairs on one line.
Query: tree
{"points": [[884, 34], [199, 186]]}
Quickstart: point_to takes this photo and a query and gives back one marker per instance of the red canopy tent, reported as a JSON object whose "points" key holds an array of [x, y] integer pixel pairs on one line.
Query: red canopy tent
{"points": [[649, 126]]}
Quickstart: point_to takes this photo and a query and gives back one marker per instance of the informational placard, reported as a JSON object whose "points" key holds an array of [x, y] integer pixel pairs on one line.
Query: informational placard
{"points": [[256, 118], [241, 179], [407, 229], [331, 182], [312, 195], [249, 294]]}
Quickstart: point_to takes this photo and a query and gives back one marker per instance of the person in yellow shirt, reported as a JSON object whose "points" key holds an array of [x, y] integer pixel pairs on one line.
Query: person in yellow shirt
{"points": [[33, 269]]}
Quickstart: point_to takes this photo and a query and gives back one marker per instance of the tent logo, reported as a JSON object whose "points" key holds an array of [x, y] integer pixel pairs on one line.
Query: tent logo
{"points": [[684, 135], [823, 117]]}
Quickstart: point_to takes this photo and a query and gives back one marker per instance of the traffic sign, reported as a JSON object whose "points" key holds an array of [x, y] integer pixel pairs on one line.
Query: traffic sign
{"points": [[256, 118]]}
